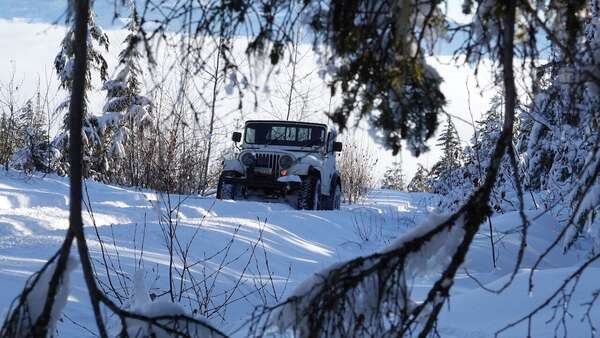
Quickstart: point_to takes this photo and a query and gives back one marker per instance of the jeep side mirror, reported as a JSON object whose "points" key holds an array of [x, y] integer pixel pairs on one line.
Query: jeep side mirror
{"points": [[337, 146], [236, 137]]}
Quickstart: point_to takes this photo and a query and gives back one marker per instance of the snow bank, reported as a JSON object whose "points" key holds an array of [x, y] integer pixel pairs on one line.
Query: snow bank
{"points": [[478, 313], [434, 254]]}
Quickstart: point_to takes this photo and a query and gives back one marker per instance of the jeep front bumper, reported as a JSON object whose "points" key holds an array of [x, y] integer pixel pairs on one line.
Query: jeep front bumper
{"points": [[258, 182]]}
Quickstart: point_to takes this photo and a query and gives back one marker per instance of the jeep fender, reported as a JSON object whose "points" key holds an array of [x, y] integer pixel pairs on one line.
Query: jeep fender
{"points": [[328, 184], [317, 172], [233, 165], [312, 160], [305, 169], [307, 165], [335, 180], [300, 169]]}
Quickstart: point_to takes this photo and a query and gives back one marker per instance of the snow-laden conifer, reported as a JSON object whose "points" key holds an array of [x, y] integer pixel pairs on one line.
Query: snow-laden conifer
{"points": [[452, 158], [584, 191], [460, 172], [420, 181], [126, 112], [394, 178], [34, 152], [561, 154], [64, 66]]}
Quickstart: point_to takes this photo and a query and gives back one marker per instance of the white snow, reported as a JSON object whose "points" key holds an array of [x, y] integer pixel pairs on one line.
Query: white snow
{"points": [[34, 214], [297, 244], [142, 304], [36, 299]]}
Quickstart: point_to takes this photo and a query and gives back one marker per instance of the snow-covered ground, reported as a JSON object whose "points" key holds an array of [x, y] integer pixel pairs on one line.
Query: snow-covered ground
{"points": [[34, 216], [222, 237]]}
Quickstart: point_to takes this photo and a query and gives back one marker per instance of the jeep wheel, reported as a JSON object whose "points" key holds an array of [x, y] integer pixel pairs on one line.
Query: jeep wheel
{"points": [[309, 197], [225, 191], [334, 200]]}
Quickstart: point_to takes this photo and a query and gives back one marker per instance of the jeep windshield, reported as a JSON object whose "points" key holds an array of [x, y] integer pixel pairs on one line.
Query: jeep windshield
{"points": [[282, 134]]}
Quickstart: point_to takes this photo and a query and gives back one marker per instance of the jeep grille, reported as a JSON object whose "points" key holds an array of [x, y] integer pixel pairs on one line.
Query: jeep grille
{"points": [[270, 161]]}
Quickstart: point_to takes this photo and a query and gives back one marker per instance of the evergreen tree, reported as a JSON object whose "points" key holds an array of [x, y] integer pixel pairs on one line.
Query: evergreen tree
{"points": [[486, 134], [64, 65], [11, 108], [8, 137], [456, 177], [33, 153], [450, 143], [478, 156], [565, 128], [393, 177], [126, 112], [565, 131], [419, 182], [451, 160]]}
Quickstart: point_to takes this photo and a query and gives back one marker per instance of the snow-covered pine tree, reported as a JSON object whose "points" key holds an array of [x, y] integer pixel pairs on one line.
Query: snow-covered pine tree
{"points": [[126, 112], [10, 109], [562, 150], [33, 153], [565, 114], [393, 178], [452, 159], [64, 65], [419, 182], [587, 213], [555, 152], [8, 136], [460, 178], [479, 154]]}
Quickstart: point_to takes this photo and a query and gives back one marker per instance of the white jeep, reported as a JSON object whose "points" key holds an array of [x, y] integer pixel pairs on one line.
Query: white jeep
{"points": [[283, 159]]}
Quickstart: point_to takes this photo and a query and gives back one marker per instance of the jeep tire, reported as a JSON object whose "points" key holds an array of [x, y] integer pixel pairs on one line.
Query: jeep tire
{"points": [[309, 196], [226, 191], [334, 200]]}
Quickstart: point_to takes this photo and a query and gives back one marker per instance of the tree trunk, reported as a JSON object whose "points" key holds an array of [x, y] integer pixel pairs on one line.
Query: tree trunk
{"points": [[77, 105]]}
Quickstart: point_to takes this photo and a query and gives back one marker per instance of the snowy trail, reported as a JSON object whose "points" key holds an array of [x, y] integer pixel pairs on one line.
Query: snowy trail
{"points": [[221, 236], [34, 216]]}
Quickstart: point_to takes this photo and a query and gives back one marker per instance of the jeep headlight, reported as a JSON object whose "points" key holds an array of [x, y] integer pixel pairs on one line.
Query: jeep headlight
{"points": [[248, 159], [286, 161]]}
